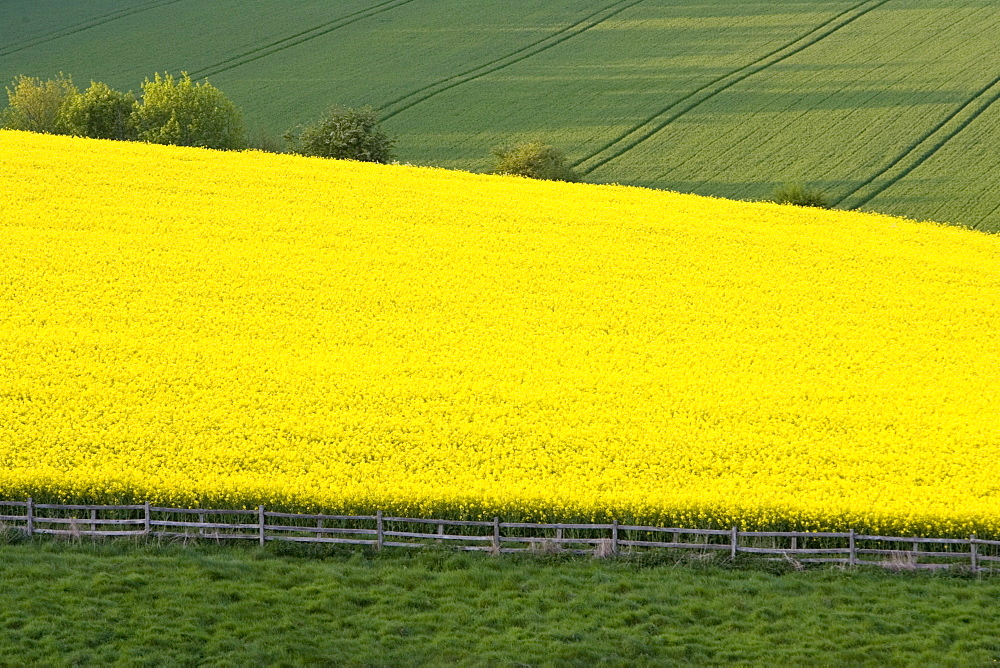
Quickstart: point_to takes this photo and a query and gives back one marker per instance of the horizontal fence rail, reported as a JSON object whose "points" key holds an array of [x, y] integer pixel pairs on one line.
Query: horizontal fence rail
{"points": [[379, 531]]}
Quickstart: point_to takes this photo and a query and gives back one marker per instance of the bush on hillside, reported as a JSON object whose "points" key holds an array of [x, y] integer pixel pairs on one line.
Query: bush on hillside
{"points": [[36, 105], [100, 112], [346, 134], [799, 195], [183, 113], [534, 160], [261, 140]]}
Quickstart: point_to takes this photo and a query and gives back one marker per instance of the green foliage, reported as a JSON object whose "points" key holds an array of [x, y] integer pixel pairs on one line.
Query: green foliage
{"points": [[345, 134], [36, 105], [534, 160], [100, 112], [266, 142], [183, 113], [799, 195]]}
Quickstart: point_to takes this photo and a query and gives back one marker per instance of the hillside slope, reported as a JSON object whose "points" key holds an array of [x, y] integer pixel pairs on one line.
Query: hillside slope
{"points": [[887, 105], [195, 326]]}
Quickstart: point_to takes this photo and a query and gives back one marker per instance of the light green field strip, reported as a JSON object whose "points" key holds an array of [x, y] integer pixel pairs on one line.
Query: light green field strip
{"points": [[586, 90], [396, 53], [958, 181], [663, 117], [425, 92], [298, 38], [834, 114], [924, 147]]}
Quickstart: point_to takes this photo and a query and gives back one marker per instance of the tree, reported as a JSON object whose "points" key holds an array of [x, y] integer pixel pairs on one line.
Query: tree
{"points": [[534, 160], [346, 134], [36, 105], [183, 113], [100, 112]]}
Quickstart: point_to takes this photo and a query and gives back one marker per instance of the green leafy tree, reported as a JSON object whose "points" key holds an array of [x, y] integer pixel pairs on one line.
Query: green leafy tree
{"points": [[535, 160], [184, 113], [100, 112], [346, 134], [36, 105]]}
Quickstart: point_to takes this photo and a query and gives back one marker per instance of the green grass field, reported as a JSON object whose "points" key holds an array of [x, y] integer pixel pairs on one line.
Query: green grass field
{"points": [[886, 105], [126, 604]]}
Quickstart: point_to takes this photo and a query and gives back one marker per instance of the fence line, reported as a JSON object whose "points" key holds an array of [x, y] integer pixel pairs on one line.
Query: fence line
{"points": [[379, 531]]}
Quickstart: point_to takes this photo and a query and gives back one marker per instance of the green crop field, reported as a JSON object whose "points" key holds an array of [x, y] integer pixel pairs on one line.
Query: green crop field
{"points": [[886, 105]]}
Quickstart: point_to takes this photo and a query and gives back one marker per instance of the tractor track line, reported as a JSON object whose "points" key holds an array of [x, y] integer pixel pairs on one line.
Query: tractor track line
{"points": [[297, 38], [27, 43], [740, 74], [985, 218], [485, 68], [83, 25], [909, 150]]}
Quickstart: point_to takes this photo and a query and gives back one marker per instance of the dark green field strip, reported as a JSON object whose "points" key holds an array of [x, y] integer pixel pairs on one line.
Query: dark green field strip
{"points": [[428, 91], [966, 168], [417, 45], [23, 21], [651, 125], [81, 26], [923, 147], [16, 45], [582, 92], [298, 38]]}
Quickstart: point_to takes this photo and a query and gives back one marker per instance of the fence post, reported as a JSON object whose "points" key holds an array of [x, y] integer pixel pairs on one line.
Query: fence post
{"points": [[496, 534], [732, 544], [974, 553], [147, 517], [260, 524], [853, 558], [381, 530], [93, 519], [31, 517], [441, 532], [614, 537]]}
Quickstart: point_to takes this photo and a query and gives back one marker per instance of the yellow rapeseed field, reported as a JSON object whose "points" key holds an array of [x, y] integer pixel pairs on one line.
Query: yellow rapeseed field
{"points": [[190, 326]]}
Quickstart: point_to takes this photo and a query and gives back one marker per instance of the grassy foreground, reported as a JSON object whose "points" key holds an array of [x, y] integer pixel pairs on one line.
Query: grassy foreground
{"points": [[121, 603]]}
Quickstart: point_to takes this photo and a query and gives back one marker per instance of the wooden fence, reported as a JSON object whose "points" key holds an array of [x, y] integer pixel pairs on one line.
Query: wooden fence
{"points": [[380, 531]]}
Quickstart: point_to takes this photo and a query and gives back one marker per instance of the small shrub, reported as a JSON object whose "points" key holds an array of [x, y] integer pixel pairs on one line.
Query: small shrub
{"points": [[345, 134], [799, 195], [100, 112], [183, 113], [36, 105], [534, 160], [263, 141]]}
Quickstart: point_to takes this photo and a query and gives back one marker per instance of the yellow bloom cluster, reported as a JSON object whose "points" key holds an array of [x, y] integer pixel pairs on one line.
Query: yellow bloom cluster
{"points": [[191, 326]]}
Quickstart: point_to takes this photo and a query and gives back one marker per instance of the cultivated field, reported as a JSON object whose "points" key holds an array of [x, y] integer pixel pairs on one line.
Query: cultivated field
{"points": [[191, 326], [887, 105]]}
